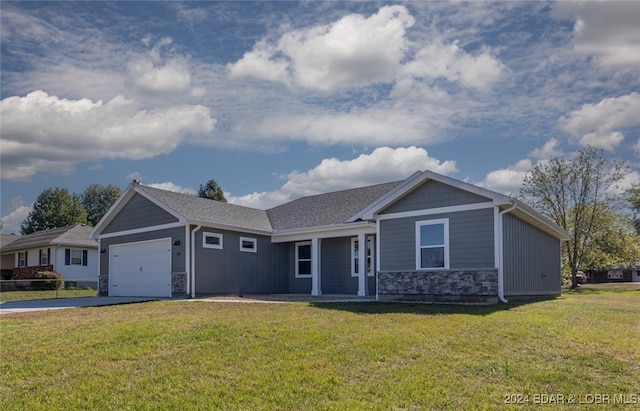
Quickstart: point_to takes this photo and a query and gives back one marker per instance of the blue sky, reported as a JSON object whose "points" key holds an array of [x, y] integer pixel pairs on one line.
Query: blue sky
{"points": [[277, 100]]}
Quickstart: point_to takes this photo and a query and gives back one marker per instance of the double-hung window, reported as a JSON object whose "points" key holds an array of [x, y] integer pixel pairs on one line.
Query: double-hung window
{"points": [[22, 259], [76, 257], [303, 259], [432, 244], [44, 257]]}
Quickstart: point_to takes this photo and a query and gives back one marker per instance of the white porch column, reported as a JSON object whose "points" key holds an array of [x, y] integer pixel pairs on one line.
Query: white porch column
{"points": [[315, 267], [362, 265]]}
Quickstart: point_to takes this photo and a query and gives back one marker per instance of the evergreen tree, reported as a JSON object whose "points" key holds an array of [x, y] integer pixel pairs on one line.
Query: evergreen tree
{"points": [[212, 191]]}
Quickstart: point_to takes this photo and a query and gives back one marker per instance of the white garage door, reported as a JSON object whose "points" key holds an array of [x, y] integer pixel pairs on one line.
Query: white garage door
{"points": [[141, 269]]}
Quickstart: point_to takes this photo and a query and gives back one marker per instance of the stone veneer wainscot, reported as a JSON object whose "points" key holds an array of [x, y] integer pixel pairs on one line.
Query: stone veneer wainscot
{"points": [[439, 286]]}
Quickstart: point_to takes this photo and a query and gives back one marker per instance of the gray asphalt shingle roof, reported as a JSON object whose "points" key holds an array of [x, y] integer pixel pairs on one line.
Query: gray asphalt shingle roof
{"points": [[305, 212], [325, 209], [73, 236], [205, 210]]}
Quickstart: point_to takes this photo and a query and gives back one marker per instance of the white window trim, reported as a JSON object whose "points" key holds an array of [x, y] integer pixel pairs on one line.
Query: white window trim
{"points": [[253, 241], [219, 236], [20, 259], [445, 222], [71, 256], [370, 273], [44, 256], [297, 245]]}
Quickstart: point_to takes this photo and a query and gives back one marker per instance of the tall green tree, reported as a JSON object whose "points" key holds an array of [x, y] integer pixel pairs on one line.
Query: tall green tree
{"points": [[54, 208], [97, 199], [212, 191], [614, 243], [576, 193]]}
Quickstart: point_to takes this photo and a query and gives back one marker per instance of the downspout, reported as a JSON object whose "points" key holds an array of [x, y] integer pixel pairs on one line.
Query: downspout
{"points": [[193, 260], [514, 205]]}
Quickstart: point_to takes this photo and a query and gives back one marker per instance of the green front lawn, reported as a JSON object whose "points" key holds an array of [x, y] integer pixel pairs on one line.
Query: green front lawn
{"points": [[203, 355], [45, 294]]}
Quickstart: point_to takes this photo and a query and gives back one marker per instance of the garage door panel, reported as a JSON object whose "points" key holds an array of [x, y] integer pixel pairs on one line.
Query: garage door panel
{"points": [[141, 269]]}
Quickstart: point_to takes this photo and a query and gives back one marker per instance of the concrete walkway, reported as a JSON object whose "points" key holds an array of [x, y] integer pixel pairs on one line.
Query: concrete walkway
{"points": [[62, 303]]}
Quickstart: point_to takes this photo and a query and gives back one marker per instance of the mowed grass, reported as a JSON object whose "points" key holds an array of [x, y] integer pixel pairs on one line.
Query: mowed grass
{"points": [[297, 356], [46, 294]]}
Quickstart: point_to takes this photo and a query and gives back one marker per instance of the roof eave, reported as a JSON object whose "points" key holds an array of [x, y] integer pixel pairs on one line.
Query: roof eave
{"points": [[541, 221], [132, 189], [230, 227], [418, 178], [325, 231]]}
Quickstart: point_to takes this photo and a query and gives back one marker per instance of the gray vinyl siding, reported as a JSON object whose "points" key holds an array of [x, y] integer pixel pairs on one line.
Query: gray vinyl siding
{"points": [[178, 262], [335, 263], [231, 271], [433, 194], [471, 240], [532, 263], [296, 285], [138, 213]]}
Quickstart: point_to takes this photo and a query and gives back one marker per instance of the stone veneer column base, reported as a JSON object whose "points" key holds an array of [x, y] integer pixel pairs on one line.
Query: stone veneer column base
{"points": [[462, 286], [103, 285]]}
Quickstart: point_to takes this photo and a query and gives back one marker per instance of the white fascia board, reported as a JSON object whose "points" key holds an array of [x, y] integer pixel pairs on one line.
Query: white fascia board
{"points": [[329, 231], [141, 230], [122, 201], [530, 215], [181, 219], [416, 180], [387, 198], [235, 228], [439, 210], [113, 210]]}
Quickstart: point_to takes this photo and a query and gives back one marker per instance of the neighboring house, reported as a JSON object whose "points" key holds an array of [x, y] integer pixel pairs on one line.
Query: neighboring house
{"points": [[429, 237], [7, 261], [66, 250], [614, 275]]}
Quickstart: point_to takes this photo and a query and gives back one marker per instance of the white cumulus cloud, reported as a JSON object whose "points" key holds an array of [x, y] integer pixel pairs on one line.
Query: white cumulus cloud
{"points": [[170, 186], [507, 180], [449, 61], [171, 77], [46, 133], [13, 219], [600, 124], [353, 51], [547, 151], [384, 164], [607, 30]]}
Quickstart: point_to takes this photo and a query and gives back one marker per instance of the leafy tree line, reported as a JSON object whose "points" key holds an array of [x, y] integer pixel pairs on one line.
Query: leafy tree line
{"points": [[56, 207], [581, 194]]}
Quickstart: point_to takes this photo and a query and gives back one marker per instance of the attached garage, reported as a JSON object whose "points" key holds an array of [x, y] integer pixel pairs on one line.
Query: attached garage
{"points": [[140, 269]]}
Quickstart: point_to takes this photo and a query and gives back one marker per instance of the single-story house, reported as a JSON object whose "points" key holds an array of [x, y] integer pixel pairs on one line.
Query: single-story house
{"points": [[7, 262], [614, 275], [428, 237], [66, 250]]}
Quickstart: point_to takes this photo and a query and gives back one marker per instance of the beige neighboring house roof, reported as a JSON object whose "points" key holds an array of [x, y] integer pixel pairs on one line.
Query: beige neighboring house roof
{"points": [[70, 236], [7, 239]]}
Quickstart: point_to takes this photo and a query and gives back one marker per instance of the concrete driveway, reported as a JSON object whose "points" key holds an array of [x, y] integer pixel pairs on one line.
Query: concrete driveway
{"points": [[61, 303]]}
